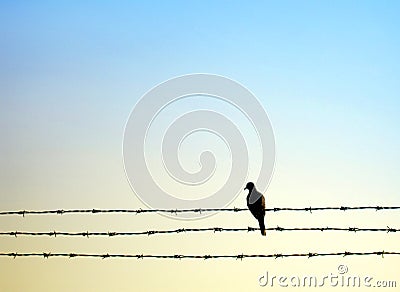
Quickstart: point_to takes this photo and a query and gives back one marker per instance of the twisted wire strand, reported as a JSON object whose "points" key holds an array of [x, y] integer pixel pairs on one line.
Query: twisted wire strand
{"points": [[205, 257], [197, 210], [190, 230]]}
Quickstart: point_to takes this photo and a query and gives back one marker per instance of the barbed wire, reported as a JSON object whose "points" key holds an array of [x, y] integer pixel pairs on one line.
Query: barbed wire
{"points": [[197, 210], [185, 230], [205, 257]]}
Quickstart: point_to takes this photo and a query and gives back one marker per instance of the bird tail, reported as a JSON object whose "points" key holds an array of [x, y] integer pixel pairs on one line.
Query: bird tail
{"points": [[262, 226]]}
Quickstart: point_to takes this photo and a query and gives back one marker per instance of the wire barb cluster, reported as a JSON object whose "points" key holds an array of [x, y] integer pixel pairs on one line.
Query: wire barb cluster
{"points": [[198, 210], [205, 257], [180, 230]]}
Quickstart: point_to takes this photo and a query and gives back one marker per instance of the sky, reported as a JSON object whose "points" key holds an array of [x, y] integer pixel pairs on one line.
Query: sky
{"points": [[326, 73]]}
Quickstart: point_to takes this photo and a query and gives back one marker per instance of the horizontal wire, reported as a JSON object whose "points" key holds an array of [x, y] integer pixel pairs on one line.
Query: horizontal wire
{"points": [[184, 230], [181, 256], [176, 211]]}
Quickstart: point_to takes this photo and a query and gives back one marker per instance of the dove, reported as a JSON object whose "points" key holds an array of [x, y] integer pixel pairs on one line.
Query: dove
{"points": [[256, 204]]}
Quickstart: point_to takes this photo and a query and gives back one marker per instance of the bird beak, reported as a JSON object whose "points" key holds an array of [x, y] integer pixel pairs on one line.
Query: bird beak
{"points": [[245, 189]]}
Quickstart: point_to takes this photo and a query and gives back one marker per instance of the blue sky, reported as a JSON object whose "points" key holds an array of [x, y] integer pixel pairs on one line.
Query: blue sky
{"points": [[326, 72]]}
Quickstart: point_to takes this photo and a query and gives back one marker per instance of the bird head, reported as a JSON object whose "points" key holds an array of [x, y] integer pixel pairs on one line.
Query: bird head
{"points": [[249, 186]]}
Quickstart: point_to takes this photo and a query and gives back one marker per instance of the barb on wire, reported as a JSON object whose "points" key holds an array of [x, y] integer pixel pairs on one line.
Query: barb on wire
{"points": [[180, 230], [205, 257], [198, 210]]}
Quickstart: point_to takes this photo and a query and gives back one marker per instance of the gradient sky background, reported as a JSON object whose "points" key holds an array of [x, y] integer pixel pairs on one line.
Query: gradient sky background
{"points": [[327, 73]]}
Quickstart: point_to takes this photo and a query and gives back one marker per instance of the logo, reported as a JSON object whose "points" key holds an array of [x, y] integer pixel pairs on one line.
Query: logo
{"points": [[179, 153]]}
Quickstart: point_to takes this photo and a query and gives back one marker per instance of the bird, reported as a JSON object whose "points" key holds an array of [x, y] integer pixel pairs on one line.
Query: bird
{"points": [[256, 204]]}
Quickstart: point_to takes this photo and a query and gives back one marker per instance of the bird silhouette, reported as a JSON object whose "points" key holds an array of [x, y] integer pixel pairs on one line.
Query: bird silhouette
{"points": [[256, 204]]}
